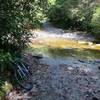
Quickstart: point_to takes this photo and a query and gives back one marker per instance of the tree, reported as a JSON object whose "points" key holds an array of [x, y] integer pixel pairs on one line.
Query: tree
{"points": [[16, 17], [95, 22], [74, 14]]}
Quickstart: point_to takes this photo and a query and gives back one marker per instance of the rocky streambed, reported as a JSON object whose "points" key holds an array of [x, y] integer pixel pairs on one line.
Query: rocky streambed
{"points": [[69, 69], [74, 80]]}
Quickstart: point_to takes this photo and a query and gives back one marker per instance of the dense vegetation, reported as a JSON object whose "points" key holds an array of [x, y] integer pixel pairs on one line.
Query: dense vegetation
{"points": [[17, 17], [76, 14]]}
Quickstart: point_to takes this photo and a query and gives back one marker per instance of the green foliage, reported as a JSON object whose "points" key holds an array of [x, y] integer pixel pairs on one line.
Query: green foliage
{"points": [[72, 14], [16, 18], [51, 2], [5, 88], [5, 59], [95, 22], [57, 16]]}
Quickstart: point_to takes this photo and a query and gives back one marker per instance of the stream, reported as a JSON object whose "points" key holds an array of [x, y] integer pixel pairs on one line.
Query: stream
{"points": [[70, 67]]}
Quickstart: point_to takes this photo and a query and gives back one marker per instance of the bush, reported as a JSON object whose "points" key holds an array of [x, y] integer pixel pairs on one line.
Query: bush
{"points": [[5, 59], [95, 23], [16, 18], [74, 14], [58, 16]]}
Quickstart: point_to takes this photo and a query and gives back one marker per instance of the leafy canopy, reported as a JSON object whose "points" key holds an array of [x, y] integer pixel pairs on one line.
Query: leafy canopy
{"points": [[16, 17]]}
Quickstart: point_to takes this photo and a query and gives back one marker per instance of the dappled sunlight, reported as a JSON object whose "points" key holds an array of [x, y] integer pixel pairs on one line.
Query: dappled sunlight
{"points": [[59, 46], [65, 43], [54, 42], [85, 69], [57, 40], [71, 60], [50, 50], [5, 88], [55, 50]]}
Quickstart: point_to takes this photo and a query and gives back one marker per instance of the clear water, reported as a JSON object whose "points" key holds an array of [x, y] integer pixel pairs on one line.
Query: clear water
{"points": [[69, 71]]}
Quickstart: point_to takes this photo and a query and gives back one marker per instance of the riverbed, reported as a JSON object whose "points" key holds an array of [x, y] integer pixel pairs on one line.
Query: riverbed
{"points": [[69, 69]]}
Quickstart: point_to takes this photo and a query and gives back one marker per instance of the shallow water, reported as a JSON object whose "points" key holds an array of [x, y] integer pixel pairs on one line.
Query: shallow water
{"points": [[56, 55], [70, 70], [57, 48], [57, 43]]}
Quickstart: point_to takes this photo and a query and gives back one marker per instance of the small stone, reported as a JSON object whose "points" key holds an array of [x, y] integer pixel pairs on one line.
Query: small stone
{"points": [[34, 92], [95, 98], [81, 61], [99, 67], [38, 56], [97, 61]]}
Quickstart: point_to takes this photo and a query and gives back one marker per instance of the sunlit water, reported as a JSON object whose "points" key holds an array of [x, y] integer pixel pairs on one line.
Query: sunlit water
{"points": [[59, 44], [73, 72]]}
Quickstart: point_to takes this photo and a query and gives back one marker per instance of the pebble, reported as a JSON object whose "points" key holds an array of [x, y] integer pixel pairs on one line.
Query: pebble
{"points": [[99, 67], [95, 98], [81, 61]]}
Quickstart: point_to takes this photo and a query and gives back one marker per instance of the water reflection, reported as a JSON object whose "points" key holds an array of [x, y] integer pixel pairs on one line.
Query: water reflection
{"points": [[67, 52]]}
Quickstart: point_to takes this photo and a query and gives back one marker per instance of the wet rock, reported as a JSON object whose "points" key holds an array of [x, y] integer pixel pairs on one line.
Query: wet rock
{"points": [[38, 56], [34, 92], [95, 98], [81, 61], [99, 67], [97, 61]]}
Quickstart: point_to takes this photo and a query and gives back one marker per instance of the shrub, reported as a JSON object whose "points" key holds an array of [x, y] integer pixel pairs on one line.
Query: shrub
{"points": [[58, 16], [74, 14], [5, 59], [95, 22], [16, 18]]}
